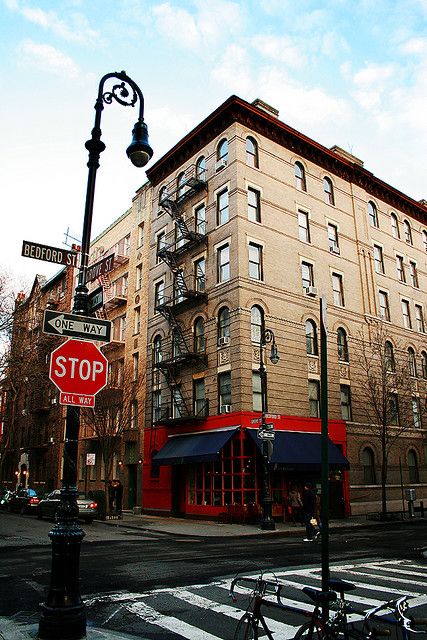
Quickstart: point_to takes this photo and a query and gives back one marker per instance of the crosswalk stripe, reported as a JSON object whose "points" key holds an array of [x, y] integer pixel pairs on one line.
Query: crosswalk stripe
{"points": [[387, 579]]}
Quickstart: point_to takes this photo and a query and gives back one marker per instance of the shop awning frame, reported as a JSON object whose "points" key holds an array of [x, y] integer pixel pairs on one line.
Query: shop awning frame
{"points": [[191, 448]]}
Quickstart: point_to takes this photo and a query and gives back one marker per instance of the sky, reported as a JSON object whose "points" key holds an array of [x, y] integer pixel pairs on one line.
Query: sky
{"points": [[345, 72]]}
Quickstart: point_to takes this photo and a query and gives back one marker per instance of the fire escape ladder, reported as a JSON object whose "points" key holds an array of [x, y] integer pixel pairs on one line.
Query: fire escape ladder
{"points": [[106, 286]]}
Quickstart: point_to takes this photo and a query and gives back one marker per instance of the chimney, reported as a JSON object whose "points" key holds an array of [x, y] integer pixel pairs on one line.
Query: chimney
{"points": [[263, 106], [347, 155]]}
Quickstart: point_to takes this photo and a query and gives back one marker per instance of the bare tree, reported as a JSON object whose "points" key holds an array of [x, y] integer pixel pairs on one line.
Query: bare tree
{"points": [[118, 408], [384, 380]]}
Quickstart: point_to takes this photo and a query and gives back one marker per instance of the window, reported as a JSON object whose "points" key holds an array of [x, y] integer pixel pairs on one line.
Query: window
{"points": [[181, 186], [384, 306], [199, 275], [201, 169], [200, 219], [255, 261], [135, 366], [394, 225], [223, 262], [251, 152], [416, 414], [307, 275], [122, 328], [140, 240], [157, 350], [224, 323], [257, 323], [412, 363], [178, 236], [393, 409], [159, 293], [222, 151], [126, 245], [424, 235], [424, 364], [314, 399], [199, 335], [300, 182], [138, 278], [333, 238], [157, 405], [256, 391], [311, 338], [414, 274], [178, 405], [254, 205], [337, 289], [373, 214], [389, 361], [400, 269], [160, 244], [407, 232], [328, 191], [367, 459], [342, 345], [137, 320], [303, 226], [414, 475], [419, 318], [179, 287], [199, 397], [163, 195], [134, 414], [222, 210], [378, 259], [345, 402], [224, 391], [406, 313]]}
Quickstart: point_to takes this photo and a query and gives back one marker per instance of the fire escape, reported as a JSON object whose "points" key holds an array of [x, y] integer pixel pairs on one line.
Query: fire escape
{"points": [[181, 349]]}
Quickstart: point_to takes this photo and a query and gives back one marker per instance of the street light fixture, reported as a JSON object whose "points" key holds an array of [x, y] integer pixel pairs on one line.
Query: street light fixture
{"points": [[267, 337], [63, 614]]}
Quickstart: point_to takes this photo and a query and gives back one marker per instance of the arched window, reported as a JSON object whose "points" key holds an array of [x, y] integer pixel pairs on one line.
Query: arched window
{"points": [[223, 325], [425, 240], [367, 459], [311, 338], [373, 214], [394, 225], [199, 335], [342, 345], [390, 364], [163, 194], [157, 350], [407, 231], [222, 151], [424, 364], [251, 152], [180, 183], [257, 323], [328, 191], [300, 177], [412, 363], [414, 474], [201, 169]]}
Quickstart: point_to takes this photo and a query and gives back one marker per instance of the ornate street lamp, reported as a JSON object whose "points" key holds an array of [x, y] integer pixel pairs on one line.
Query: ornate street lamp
{"points": [[63, 614], [267, 337]]}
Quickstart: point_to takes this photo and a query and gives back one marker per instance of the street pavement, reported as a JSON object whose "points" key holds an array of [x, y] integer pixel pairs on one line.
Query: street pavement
{"points": [[24, 625]]}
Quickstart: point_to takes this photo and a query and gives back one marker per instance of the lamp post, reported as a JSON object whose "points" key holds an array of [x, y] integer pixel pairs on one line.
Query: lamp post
{"points": [[267, 337], [63, 614]]}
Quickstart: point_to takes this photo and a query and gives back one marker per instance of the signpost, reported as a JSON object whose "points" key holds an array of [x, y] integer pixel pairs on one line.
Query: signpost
{"points": [[100, 268], [49, 254], [80, 371], [74, 326]]}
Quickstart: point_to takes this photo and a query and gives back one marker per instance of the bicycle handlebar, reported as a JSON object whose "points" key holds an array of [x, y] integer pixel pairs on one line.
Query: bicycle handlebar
{"points": [[260, 586]]}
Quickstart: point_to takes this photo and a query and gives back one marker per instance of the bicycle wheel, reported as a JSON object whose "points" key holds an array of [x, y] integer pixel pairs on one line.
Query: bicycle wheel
{"points": [[309, 632], [246, 628]]}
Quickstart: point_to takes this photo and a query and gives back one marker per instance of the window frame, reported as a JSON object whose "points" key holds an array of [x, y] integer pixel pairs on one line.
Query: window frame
{"points": [[384, 305], [257, 323], [313, 399], [394, 221], [379, 259], [304, 229], [222, 150], [400, 268], [333, 237], [342, 345], [413, 273], [224, 389], [255, 268], [199, 343], [223, 263], [307, 274], [254, 208], [405, 306], [252, 155], [373, 214], [407, 232], [328, 191], [222, 209], [311, 341], [338, 291], [224, 324], [346, 408], [299, 175], [419, 318]]}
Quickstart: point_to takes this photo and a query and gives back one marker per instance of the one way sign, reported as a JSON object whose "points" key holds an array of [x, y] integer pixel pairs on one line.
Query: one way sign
{"points": [[67, 324]]}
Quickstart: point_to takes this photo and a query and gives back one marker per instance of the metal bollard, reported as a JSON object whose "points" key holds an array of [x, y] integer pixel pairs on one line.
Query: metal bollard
{"points": [[421, 508]]}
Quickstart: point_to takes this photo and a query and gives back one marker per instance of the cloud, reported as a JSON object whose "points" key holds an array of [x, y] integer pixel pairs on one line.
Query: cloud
{"points": [[233, 70], [414, 46], [47, 58], [280, 49]]}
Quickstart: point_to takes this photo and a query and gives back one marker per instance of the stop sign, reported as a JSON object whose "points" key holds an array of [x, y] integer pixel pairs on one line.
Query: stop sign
{"points": [[78, 367]]}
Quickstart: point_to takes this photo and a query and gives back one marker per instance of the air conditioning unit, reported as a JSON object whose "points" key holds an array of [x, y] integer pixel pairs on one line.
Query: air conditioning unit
{"points": [[335, 250], [220, 164], [311, 291], [225, 408], [224, 341]]}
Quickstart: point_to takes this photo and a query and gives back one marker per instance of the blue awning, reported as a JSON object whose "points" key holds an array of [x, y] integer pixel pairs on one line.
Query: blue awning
{"points": [[195, 447], [301, 450]]}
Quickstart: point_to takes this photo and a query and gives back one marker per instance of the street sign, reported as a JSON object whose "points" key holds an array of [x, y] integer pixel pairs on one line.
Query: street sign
{"points": [[49, 254], [95, 300], [269, 416], [79, 370], [266, 434], [100, 268], [76, 399], [74, 326]]}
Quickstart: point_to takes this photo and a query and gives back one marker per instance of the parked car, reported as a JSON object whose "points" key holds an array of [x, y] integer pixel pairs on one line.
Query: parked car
{"points": [[47, 508], [23, 501], [5, 498]]}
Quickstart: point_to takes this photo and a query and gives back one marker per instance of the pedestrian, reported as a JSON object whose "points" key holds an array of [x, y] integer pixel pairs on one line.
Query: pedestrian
{"points": [[317, 512], [111, 496], [295, 505], [309, 510], [119, 496]]}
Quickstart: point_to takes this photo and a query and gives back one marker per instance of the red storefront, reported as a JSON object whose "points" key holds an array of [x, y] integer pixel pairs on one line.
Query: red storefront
{"points": [[198, 470]]}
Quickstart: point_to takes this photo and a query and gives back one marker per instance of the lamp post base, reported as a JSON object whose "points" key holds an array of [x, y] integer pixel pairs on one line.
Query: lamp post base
{"points": [[67, 623], [268, 524]]}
